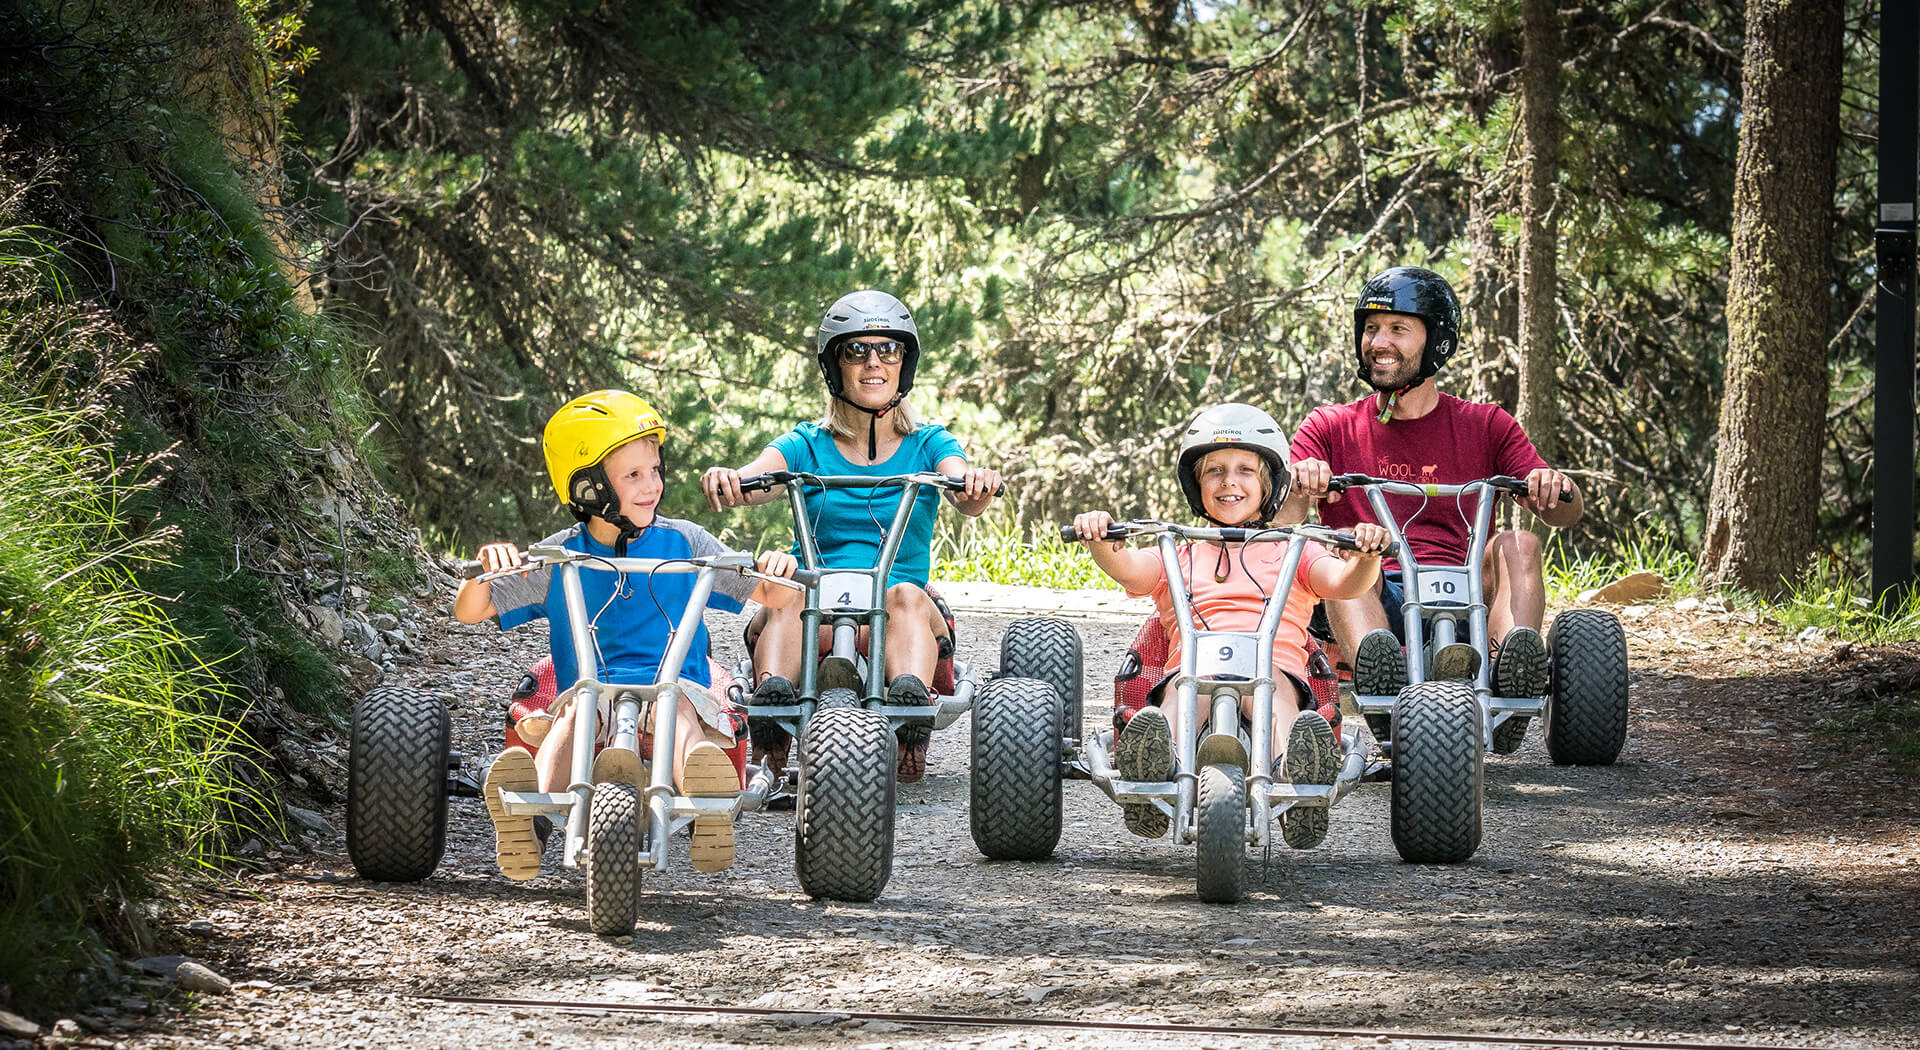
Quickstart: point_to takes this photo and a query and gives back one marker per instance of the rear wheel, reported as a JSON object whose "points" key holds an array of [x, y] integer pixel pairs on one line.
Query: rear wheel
{"points": [[1015, 805], [1587, 705], [613, 858], [397, 784], [843, 808], [1221, 814], [1048, 650], [1438, 773]]}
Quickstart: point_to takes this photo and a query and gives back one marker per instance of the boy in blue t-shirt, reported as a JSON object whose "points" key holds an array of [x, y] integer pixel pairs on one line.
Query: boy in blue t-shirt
{"points": [[603, 453], [868, 348]]}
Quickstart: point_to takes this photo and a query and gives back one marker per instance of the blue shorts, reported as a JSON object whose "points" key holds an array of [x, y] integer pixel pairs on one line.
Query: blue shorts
{"points": [[1392, 593]]}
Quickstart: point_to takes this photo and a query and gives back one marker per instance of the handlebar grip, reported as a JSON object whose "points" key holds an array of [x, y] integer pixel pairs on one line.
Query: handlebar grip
{"points": [[470, 570], [760, 482], [959, 485], [1116, 531]]}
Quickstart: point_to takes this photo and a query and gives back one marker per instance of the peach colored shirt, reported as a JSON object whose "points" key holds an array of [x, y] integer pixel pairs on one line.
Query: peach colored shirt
{"points": [[1235, 603]]}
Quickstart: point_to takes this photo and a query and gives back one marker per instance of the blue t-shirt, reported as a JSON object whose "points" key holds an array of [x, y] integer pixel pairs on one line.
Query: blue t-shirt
{"points": [[633, 630], [850, 524]]}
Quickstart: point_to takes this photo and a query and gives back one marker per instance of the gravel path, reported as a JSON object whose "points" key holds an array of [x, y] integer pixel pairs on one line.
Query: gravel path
{"points": [[1740, 876]]}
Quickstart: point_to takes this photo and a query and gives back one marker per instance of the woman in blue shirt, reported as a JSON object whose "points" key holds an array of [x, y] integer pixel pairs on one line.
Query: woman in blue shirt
{"points": [[867, 347]]}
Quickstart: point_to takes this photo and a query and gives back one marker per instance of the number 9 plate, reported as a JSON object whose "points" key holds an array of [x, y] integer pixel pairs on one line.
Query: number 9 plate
{"points": [[1224, 655]]}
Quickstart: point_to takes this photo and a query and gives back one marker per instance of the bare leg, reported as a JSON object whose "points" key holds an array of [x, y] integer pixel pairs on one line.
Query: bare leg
{"points": [[777, 650], [555, 760], [914, 628], [1512, 573]]}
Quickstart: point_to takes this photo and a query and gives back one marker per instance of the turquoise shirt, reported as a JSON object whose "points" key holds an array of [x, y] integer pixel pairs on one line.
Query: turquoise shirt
{"points": [[850, 524]]}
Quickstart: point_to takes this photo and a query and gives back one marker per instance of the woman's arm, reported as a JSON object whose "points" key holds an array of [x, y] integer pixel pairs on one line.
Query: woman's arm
{"points": [[982, 484], [722, 486]]}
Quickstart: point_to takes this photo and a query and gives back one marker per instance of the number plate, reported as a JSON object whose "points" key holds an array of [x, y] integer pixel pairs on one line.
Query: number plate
{"points": [[846, 590], [1221, 655], [1443, 588]]}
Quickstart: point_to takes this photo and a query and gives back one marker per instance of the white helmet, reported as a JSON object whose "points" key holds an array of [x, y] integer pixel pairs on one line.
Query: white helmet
{"points": [[1234, 425]]}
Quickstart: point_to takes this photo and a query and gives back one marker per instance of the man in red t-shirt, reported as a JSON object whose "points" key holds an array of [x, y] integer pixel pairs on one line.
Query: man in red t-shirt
{"points": [[1405, 326]]}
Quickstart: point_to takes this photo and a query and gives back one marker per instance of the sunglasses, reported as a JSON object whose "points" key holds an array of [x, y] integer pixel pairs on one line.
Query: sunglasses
{"points": [[888, 351]]}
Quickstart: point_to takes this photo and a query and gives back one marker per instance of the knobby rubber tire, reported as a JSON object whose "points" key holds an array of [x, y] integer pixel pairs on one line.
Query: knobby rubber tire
{"points": [[613, 858], [397, 784], [1048, 650], [1220, 861], [1587, 703], [1439, 773], [837, 699], [843, 807], [1015, 808]]}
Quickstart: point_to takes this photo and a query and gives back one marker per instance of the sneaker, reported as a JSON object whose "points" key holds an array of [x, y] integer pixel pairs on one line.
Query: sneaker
{"points": [[1520, 666], [709, 773], [1144, 751], [909, 691], [1459, 660], [1519, 670], [772, 745], [515, 846], [1313, 757], [1379, 665]]}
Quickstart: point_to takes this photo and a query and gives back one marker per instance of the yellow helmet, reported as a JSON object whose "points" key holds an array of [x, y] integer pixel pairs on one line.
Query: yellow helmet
{"points": [[581, 434]]}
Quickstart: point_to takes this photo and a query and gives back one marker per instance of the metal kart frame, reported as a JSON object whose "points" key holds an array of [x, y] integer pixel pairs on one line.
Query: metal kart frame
{"points": [[1224, 665], [846, 599], [667, 811], [1444, 594]]}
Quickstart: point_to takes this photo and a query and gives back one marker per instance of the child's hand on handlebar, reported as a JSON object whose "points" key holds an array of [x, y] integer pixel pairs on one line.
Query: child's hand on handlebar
{"points": [[1373, 540], [1092, 525], [777, 563], [499, 557]]}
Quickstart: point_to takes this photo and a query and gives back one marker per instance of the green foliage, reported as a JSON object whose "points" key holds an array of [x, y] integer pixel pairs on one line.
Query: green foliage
{"points": [[113, 762], [1830, 598], [989, 549]]}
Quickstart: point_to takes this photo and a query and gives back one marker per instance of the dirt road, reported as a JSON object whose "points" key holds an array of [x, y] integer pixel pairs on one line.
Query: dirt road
{"points": [[1738, 877]]}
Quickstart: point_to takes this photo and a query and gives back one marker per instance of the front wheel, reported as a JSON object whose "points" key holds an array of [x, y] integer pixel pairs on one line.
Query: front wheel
{"points": [[843, 806], [1439, 770], [397, 784], [1587, 704], [614, 826], [1221, 815], [1048, 650], [1015, 808]]}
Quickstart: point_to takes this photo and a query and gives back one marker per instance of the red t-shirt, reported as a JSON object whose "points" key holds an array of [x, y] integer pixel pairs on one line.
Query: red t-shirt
{"points": [[1457, 442]]}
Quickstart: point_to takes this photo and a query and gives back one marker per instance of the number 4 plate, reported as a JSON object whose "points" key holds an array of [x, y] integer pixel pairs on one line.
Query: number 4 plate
{"points": [[1443, 587], [846, 590]]}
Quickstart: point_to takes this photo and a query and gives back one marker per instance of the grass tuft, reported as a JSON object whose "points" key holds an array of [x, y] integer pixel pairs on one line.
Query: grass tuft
{"points": [[989, 549]]}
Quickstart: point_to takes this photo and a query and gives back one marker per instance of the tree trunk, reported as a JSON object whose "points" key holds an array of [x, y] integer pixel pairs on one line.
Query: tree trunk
{"points": [[1766, 480], [1539, 393], [1492, 325]]}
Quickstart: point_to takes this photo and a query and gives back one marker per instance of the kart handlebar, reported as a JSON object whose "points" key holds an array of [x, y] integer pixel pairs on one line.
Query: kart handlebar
{"points": [[764, 482], [1502, 482], [1121, 530], [543, 555]]}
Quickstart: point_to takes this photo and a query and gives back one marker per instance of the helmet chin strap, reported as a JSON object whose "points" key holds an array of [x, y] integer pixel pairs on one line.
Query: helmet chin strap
{"points": [[873, 424]]}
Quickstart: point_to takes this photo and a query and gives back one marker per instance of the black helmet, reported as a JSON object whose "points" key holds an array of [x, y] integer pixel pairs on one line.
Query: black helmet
{"points": [[1229, 426], [866, 312], [1416, 291]]}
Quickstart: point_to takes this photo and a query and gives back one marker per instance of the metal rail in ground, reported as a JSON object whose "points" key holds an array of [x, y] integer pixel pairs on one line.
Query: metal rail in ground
{"points": [[989, 1021]]}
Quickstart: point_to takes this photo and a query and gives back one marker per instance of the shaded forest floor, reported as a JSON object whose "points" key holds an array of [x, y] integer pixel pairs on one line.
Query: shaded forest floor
{"points": [[1746, 873]]}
